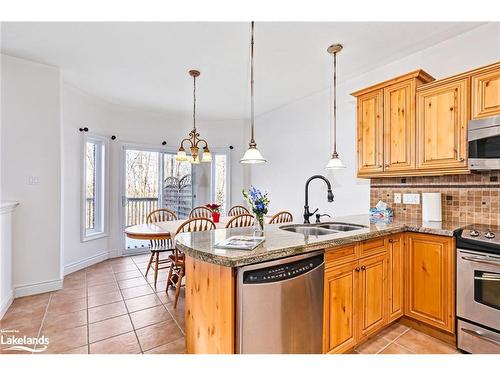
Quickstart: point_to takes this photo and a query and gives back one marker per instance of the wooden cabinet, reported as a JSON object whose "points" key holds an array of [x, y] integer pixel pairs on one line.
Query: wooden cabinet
{"points": [[355, 294], [370, 132], [430, 280], [486, 93], [395, 275], [399, 126], [340, 308], [386, 125], [442, 118], [372, 294]]}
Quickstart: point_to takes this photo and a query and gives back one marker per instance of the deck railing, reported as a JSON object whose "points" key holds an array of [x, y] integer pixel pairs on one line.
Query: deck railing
{"points": [[139, 208]]}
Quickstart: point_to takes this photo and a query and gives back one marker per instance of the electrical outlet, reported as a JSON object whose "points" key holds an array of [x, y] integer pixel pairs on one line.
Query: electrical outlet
{"points": [[33, 180], [397, 197], [411, 198]]}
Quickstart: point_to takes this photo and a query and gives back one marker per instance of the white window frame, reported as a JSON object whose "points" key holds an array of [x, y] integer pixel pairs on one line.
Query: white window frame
{"points": [[101, 208], [227, 153]]}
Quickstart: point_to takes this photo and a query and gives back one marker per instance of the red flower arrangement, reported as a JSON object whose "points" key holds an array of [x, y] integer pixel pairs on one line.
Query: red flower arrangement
{"points": [[215, 208]]}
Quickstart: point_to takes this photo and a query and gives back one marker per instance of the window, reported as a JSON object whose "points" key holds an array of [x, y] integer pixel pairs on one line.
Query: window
{"points": [[220, 181], [94, 215]]}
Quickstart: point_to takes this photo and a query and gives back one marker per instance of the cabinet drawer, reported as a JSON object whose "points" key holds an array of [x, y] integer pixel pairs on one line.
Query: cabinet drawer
{"points": [[338, 255], [371, 247]]}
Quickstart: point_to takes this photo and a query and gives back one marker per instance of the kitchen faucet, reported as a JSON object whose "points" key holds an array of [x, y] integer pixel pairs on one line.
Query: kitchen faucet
{"points": [[307, 214]]}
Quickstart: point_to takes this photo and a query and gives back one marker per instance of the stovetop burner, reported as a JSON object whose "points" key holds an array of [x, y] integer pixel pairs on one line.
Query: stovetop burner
{"points": [[479, 237]]}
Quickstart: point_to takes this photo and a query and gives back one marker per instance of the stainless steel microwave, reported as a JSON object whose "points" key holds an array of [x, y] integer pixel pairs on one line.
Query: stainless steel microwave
{"points": [[484, 143]]}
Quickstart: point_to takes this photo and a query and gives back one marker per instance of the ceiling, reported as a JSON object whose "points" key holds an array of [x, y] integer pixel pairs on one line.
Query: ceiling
{"points": [[145, 65]]}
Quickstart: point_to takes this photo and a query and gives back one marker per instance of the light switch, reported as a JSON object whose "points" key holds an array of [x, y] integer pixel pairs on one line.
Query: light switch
{"points": [[411, 198], [33, 180], [397, 197]]}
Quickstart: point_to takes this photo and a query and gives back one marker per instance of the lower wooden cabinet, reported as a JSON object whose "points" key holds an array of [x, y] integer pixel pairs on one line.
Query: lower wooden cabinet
{"points": [[340, 308], [395, 305], [408, 274], [430, 280]]}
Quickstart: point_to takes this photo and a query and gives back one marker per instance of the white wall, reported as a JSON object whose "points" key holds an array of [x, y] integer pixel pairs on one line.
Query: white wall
{"points": [[295, 138], [31, 126], [130, 126]]}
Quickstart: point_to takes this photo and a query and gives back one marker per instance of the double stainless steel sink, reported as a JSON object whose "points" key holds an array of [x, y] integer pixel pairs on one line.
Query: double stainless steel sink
{"points": [[321, 229]]}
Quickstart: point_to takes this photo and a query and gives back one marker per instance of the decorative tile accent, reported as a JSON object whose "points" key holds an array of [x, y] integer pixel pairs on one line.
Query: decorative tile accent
{"points": [[468, 199]]}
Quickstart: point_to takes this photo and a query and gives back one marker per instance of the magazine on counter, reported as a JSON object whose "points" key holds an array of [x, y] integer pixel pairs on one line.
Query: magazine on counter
{"points": [[240, 242]]}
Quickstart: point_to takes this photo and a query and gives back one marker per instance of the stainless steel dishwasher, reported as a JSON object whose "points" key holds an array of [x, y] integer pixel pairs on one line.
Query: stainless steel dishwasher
{"points": [[279, 305]]}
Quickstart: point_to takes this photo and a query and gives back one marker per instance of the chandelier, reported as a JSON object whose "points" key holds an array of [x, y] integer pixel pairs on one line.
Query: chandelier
{"points": [[194, 139]]}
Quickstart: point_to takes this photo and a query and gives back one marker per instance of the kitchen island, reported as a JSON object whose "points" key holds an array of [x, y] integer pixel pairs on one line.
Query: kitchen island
{"points": [[211, 272]]}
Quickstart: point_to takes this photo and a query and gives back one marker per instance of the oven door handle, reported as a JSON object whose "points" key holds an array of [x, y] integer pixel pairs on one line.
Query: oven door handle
{"points": [[481, 260], [481, 336]]}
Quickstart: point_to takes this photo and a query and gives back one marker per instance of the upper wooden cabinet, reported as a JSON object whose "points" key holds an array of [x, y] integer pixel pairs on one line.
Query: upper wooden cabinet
{"points": [[486, 93], [370, 132], [399, 126], [442, 117], [413, 125], [386, 125]]}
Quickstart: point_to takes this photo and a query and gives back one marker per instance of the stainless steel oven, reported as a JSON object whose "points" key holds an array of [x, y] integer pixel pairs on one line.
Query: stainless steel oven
{"points": [[478, 291], [484, 143]]}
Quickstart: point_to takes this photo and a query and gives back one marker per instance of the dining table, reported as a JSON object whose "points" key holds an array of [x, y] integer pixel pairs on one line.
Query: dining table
{"points": [[164, 230]]}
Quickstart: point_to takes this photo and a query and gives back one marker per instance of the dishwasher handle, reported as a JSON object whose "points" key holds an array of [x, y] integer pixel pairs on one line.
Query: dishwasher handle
{"points": [[282, 272]]}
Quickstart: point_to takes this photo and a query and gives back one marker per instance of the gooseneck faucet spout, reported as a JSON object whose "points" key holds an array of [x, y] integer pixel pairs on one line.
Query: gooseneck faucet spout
{"points": [[308, 214]]}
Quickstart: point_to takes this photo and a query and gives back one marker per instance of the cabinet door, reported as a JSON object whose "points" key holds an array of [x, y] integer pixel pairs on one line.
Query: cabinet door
{"points": [[395, 272], [370, 132], [442, 117], [399, 126], [486, 94], [430, 283], [373, 294], [340, 303]]}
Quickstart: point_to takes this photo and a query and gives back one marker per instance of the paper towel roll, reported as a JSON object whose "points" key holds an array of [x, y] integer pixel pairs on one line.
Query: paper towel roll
{"points": [[431, 207]]}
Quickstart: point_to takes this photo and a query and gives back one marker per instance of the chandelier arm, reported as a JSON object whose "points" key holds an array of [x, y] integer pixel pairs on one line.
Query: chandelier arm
{"points": [[202, 140]]}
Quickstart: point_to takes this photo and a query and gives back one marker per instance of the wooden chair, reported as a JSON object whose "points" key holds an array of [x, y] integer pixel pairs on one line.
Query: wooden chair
{"points": [[159, 246], [237, 210], [200, 211], [240, 221], [177, 266], [281, 217]]}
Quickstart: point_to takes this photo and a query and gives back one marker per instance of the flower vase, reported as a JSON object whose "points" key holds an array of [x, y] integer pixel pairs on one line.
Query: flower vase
{"points": [[259, 226], [215, 217]]}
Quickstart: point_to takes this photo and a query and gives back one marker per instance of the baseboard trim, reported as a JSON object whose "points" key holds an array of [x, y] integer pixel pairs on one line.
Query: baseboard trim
{"points": [[37, 288], [5, 304], [84, 263]]}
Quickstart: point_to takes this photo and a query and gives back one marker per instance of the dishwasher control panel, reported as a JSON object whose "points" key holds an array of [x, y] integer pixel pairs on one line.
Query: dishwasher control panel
{"points": [[282, 272]]}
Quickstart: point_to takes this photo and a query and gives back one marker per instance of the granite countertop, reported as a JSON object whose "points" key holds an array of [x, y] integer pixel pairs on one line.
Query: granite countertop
{"points": [[280, 243]]}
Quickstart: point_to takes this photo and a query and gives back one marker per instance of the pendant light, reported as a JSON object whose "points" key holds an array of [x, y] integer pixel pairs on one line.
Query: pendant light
{"points": [[194, 137], [334, 162], [252, 155]]}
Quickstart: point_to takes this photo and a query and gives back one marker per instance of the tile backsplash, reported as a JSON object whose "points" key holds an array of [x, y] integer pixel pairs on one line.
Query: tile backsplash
{"points": [[469, 198]]}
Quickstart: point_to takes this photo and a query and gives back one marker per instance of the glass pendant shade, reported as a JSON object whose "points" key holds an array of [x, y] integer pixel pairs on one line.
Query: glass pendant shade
{"points": [[252, 156], [181, 155], [206, 157], [335, 163]]}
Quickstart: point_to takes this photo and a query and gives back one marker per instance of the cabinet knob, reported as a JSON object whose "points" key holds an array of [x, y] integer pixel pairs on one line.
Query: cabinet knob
{"points": [[363, 268], [461, 159], [356, 269], [393, 240]]}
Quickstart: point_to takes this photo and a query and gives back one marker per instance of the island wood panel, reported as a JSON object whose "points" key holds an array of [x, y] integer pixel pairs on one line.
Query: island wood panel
{"points": [[210, 317], [486, 93], [430, 280], [340, 308], [442, 116], [370, 132], [399, 126], [395, 275], [372, 294]]}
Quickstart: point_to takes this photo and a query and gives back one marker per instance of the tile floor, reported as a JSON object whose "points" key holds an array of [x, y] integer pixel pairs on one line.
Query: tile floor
{"points": [[112, 307], [400, 339]]}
